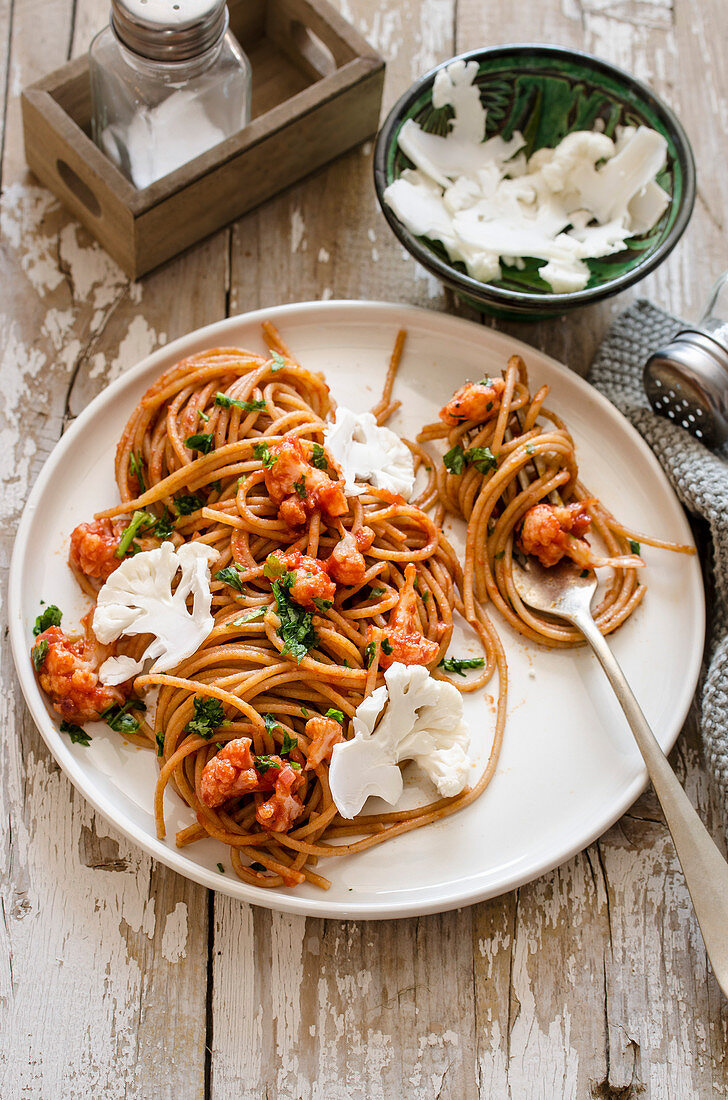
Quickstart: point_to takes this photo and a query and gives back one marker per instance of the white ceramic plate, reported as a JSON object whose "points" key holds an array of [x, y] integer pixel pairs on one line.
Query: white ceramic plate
{"points": [[568, 768]]}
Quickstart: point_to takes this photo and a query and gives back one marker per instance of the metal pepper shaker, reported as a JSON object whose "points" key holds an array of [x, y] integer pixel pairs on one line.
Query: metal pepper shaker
{"points": [[687, 379]]}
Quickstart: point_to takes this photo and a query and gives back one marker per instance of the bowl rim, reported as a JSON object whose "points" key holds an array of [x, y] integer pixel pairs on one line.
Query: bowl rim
{"points": [[478, 290]]}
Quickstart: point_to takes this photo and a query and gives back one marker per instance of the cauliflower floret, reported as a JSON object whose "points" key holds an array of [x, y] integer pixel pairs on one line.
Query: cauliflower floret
{"points": [[423, 721]]}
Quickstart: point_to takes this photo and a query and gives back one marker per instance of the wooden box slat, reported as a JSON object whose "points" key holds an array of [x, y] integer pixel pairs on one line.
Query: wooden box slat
{"points": [[313, 98]]}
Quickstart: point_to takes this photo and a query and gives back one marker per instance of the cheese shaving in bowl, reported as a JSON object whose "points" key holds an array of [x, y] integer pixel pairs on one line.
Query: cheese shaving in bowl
{"points": [[487, 204]]}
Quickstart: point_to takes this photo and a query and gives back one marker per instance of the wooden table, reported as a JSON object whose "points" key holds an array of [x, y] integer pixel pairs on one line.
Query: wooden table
{"points": [[120, 979]]}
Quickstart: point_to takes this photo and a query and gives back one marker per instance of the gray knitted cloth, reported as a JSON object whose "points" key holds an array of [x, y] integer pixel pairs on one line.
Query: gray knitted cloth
{"points": [[700, 479]]}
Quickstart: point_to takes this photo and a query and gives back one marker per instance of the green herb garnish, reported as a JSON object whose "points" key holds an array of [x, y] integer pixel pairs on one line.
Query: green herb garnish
{"points": [[482, 458], [135, 469], [454, 460], [208, 717], [304, 712], [370, 650], [458, 665], [164, 526], [296, 625], [374, 593], [263, 763], [230, 575], [50, 616], [322, 605], [270, 722], [119, 719], [38, 653], [530, 449], [77, 735], [257, 867], [300, 486], [202, 442], [254, 613], [634, 546], [318, 457], [278, 361], [159, 738], [288, 743], [186, 505], [221, 869], [337, 715], [204, 417], [386, 646], [226, 402], [262, 451], [138, 522]]}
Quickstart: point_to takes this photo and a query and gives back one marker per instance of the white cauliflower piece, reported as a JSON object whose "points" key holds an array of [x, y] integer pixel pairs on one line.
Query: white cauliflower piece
{"points": [[423, 721], [138, 599], [364, 451]]}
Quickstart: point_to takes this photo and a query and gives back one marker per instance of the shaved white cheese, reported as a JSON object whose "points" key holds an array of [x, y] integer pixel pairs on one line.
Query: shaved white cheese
{"points": [[487, 205], [364, 451], [419, 718], [138, 599]]}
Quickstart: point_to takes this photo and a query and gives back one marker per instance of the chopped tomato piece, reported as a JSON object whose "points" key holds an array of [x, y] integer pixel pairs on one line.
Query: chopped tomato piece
{"points": [[311, 580], [232, 773], [323, 734], [404, 635], [69, 675], [283, 807], [93, 549], [298, 488], [474, 401]]}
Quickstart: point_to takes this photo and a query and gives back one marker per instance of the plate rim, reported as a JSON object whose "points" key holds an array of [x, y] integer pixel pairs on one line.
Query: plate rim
{"points": [[173, 857]]}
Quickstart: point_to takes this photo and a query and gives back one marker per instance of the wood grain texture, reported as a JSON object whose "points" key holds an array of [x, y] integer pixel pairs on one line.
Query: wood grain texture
{"points": [[592, 981]]}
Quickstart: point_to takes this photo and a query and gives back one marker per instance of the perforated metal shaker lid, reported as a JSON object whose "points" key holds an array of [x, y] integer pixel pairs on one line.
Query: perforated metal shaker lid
{"points": [[169, 30], [687, 382]]}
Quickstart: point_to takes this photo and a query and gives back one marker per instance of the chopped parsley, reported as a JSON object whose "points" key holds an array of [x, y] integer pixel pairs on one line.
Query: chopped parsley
{"points": [[296, 626], [186, 505], [322, 605], [119, 719], [337, 715], [270, 722], [300, 486], [202, 442], [482, 458], [226, 402], [135, 469], [164, 526], [230, 575], [634, 546], [204, 417], [159, 738], [278, 361], [499, 555], [262, 451], [257, 867], [374, 593], [304, 712], [263, 763], [386, 646], [50, 616], [221, 869], [584, 573], [38, 653], [457, 665], [425, 597], [273, 567], [208, 717], [77, 735], [139, 521], [318, 457], [454, 460], [530, 449], [370, 650], [288, 743], [254, 613]]}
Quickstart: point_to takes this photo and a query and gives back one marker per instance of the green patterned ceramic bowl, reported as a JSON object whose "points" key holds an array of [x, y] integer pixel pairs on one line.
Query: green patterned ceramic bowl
{"points": [[545, 92]]}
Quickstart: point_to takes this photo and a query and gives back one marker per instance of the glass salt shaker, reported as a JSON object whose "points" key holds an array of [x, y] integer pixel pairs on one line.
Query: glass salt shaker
{"points": [[168, 81], [687, 379]]}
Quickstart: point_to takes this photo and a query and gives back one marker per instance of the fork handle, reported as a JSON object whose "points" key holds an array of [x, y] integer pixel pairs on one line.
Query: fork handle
{"points": [[705, 869]]}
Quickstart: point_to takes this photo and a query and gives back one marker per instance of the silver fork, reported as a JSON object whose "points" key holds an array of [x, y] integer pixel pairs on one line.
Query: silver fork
{"points": [[565, 591]]}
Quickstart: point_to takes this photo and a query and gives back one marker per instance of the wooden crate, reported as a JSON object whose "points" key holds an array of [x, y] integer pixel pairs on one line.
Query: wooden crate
{"points": [[317, 88]]}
